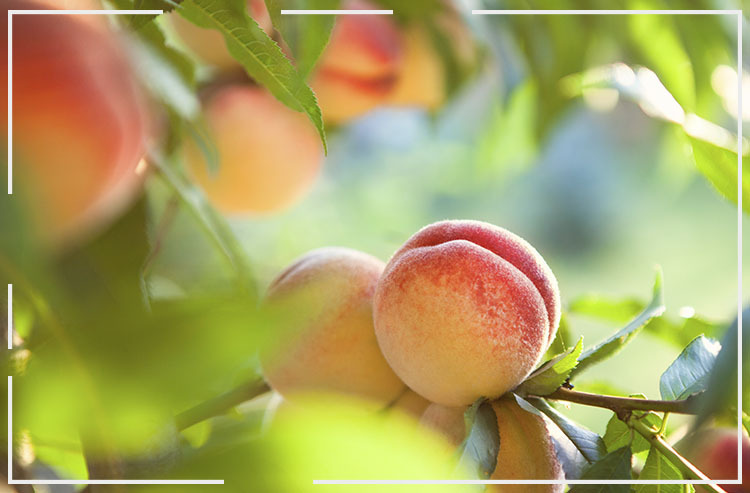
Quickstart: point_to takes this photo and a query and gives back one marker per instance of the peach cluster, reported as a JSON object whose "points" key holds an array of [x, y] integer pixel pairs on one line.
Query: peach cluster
{"points": [[79, 122], [462, 310], [267, 157]]}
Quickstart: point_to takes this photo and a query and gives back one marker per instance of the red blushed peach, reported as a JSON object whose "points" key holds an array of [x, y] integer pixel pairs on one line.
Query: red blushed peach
{"points": [[714, 451], [208, 44], [79, 123], [323, 338], [269, 155], [465, 309], [527, 451], [359, 67]]}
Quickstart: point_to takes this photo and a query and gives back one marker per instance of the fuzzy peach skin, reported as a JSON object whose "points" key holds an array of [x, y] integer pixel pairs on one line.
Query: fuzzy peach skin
{"points": [[526, 447], [208, 44], [465, 309], [360, 65], [323, 338], [714, 452], [79, 123], [269, 155]]}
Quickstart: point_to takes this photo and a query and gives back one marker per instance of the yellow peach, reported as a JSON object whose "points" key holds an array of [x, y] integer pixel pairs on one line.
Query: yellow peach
{"points": [[269, 155], [324, 339]]}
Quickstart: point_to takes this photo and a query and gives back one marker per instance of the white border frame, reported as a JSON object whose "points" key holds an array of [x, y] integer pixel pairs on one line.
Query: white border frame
{"points": [[11, 481], [737, 13]]}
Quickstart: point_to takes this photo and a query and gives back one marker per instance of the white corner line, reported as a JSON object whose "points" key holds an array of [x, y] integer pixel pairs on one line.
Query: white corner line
{"points": [[10, 102], [10, 316], [606, 12], [10, 429], [739, 245], [81, 482], [11, 13], [85, 12], [336, 12], [114, 481]]}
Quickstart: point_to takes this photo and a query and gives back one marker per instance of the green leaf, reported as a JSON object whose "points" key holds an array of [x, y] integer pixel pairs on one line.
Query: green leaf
{"points": [[586, 441], [721, 395], [479, 450], [167, 73], [139, 21], [682, 331], [563, 338], [552, 374], [719, 166], [661, 47], [306, 35], [615, 343], [657, 467], [619, 434], [615, 465], [413, 9], [259, 55], [605, 308], [689, 373]]}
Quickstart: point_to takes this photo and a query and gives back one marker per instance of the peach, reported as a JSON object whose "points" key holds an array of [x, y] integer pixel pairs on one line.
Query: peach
{"points": [[421, 82], [269, 155], [323, 336], [360, 65], [527, 451], [208, 44], [79, 123], [714, 452], [465, 309]]}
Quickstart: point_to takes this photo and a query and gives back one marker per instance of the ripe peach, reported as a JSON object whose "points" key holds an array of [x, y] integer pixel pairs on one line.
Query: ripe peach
{"points": [[208, 44], [79, 123], [465, 309], [324, 339], [359, 67], [269, 155], [526, 447], [714, 452]]}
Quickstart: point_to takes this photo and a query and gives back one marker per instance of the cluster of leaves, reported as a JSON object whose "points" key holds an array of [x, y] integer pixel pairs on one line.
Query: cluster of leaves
{"points": [[680, 51], [630, 432]]}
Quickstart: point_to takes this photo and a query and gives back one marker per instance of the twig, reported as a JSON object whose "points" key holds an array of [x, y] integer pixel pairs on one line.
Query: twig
{"points": [[623, 406], [688, 470], [221, 404]]}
